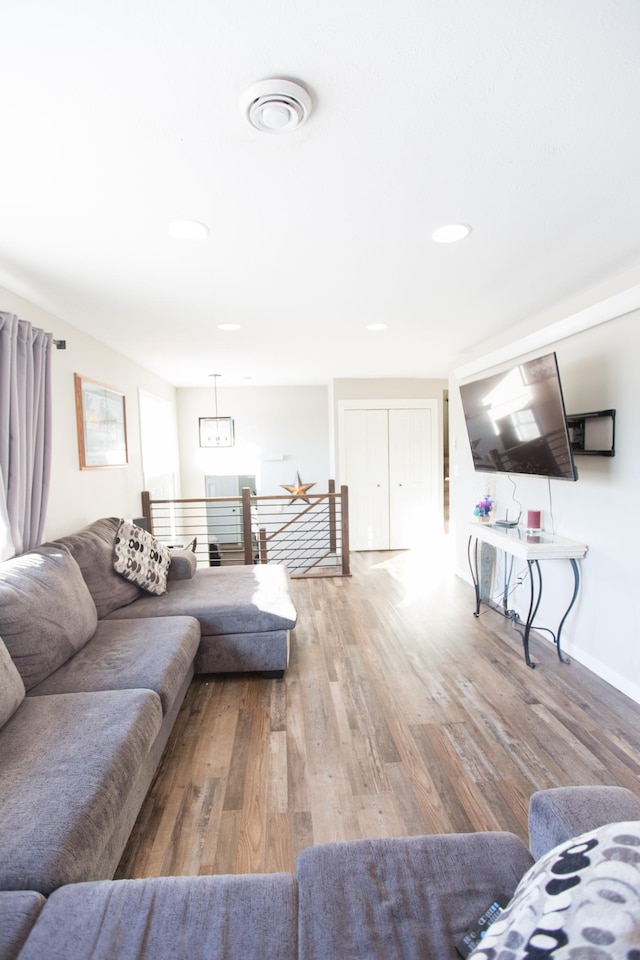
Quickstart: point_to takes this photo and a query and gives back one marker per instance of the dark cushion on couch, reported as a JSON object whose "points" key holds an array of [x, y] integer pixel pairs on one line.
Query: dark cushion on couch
{"points": [[184, 564], [46, 611], [92, 548]]}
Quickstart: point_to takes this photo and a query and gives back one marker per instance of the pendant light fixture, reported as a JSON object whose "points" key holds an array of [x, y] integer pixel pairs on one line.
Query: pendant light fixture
{"points": [[216, 431]]}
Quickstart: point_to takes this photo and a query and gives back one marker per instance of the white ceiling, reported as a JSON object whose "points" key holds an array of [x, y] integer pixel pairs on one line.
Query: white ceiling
{"points": [[519, 118]]}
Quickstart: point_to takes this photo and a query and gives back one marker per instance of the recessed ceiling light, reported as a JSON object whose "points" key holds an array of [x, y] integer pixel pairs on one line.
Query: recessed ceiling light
{"points": [[375, 327], [451, 233], [228, 326], [188, 230]]}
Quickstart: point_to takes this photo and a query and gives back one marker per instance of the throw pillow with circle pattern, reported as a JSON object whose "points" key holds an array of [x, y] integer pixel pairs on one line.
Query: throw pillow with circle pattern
{"points": [[140, 558], [581, 901]]}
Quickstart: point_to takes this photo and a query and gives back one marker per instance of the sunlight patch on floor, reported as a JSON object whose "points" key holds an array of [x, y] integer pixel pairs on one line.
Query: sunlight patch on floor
{"points": [[421, 571]]}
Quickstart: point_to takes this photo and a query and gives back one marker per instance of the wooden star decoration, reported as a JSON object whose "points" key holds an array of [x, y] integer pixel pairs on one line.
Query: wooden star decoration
{"points": [[298, 490]]}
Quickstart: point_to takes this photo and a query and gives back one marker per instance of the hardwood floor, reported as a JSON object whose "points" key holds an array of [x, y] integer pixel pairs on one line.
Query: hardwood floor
{"points": [[400, 714]]}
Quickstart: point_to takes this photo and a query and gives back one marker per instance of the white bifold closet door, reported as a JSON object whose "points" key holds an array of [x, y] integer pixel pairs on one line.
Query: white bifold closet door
{"points": [[390, 471]]}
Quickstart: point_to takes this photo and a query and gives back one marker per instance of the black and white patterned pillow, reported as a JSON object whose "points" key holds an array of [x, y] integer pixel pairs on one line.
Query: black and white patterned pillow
{"points": [[140, 558], [581, 901]]}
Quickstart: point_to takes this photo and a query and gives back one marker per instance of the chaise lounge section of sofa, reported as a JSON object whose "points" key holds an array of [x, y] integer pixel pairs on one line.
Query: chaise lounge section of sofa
{"points": [[245, 612]]}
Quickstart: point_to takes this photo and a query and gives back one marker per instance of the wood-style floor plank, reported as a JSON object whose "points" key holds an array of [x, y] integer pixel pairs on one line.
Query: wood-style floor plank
{"points": [[400, 714]]}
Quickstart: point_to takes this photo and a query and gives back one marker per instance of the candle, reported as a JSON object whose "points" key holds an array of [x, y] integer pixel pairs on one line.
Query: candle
{"points": [[533, 519]]}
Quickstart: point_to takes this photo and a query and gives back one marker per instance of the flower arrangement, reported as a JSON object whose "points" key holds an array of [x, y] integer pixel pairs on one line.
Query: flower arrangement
{"points": [[484, 507]]}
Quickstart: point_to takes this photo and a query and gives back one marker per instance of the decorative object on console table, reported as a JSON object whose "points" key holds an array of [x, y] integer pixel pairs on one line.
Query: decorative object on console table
{"points": [[533, 521], [483, 508]]}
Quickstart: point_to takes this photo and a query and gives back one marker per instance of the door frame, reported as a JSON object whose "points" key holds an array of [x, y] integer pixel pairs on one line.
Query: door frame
{"points": [[437, 450]]}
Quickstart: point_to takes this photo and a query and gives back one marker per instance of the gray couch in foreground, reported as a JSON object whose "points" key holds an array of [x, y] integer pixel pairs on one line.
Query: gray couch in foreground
{"points": [[408, 898], [88, 697]]}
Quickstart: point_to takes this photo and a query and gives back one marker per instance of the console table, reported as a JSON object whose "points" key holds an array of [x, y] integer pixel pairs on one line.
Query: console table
{"points": [[532, 547]]}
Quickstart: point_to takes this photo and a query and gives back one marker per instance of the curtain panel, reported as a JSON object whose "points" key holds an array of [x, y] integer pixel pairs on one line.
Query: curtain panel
{"points": [[25, 428]]}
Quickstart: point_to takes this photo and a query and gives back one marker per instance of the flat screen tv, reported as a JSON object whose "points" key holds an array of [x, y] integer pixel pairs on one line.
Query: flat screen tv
{"points": [[517, 423]]}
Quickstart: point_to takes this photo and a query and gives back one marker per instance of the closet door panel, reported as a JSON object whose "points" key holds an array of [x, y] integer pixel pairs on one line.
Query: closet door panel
{"points": [[367, 476], [411, 477]]}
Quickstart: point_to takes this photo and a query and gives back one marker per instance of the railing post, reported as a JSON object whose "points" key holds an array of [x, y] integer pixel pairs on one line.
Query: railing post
{"points": [[346, 568], [332, 517], [146, 509], [263, 546], [247, 533]]}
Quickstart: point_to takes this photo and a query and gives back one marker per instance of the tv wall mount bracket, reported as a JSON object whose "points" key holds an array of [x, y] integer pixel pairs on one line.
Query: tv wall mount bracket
{"points": [[577, 424]]}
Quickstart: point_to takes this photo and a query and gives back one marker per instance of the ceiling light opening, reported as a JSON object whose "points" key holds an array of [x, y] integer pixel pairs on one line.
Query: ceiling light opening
{"points": [[188, 230], [451, 233]]}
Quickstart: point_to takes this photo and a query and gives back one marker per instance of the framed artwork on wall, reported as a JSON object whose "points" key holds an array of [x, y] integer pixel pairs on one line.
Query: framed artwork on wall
{"points": [[102, 425], [216, 432]]}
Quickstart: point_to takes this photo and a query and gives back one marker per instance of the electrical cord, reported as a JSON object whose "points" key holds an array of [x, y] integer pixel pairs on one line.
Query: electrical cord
{"points": [[553, 525], [497, 602], [513, 496]]}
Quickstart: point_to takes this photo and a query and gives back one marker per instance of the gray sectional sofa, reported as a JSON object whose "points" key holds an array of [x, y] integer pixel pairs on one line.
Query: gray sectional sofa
{"points": [[92, 675], [93, 671], [409, 898]]}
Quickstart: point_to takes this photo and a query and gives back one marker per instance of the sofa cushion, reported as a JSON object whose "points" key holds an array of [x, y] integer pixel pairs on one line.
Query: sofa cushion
{"points": [[170, 918], [67, 766], [19, 911], [92, 548], [582, 899], [409, 897], [225, 600], [11, 685], [152, 654], [140, 558], [184, 564], [46, 611]]}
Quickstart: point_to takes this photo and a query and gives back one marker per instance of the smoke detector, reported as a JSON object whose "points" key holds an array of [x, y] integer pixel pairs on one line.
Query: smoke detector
{"points": [[276, 106]]}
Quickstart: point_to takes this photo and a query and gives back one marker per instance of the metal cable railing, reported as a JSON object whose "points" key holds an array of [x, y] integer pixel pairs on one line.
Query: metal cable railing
{"points": [[309, 534]]}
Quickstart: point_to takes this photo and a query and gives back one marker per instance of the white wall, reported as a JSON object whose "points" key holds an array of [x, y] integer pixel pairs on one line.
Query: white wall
{"points": [[279, 431], [599, 370], [77, 496]]}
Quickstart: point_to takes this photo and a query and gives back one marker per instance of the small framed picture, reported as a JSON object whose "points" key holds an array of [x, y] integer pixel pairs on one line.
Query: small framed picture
{"points": [[216, 432], [102, 425]]}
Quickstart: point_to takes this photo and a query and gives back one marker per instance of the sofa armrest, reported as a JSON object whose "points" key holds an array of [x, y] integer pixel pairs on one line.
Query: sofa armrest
{"points": [[560, 813], [183, 565]]}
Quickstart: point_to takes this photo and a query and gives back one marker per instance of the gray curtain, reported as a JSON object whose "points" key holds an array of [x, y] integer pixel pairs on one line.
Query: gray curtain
{"points": [[25, 427]]}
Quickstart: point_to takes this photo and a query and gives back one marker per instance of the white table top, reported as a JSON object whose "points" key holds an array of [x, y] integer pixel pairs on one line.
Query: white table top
{"points": [[528, 546]]}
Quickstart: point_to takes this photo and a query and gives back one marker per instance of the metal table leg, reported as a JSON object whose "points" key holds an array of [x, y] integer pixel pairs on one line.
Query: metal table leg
{"points": [[473, 567], [535, 595], [576, 587]]}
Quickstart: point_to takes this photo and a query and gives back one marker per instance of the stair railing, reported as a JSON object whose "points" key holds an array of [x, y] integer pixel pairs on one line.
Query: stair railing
{"points": [[309, 534]]}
